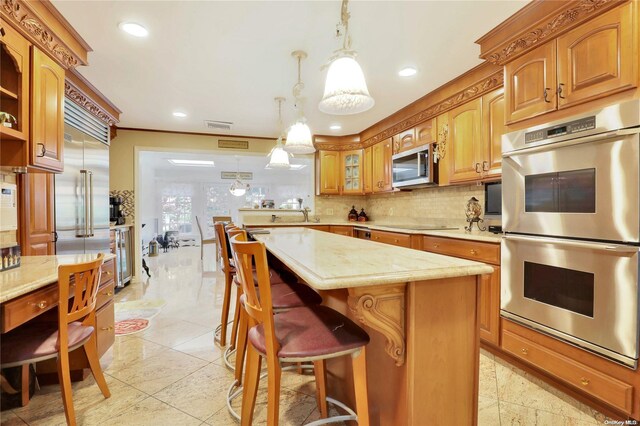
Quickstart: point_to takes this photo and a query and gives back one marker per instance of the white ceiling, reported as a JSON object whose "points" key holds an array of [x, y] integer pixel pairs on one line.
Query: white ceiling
{"points": [[227, 60]]}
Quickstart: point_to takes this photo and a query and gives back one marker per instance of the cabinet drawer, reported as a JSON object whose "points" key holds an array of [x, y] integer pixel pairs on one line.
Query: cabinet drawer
{"points": [[105, 294], [612, 391], [105, 321], [472, 250], [20, 310], [108, 271], [342, 230], [402, 240]]}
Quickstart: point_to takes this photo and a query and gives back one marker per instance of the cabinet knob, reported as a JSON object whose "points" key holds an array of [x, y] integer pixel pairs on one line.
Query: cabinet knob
{"points": [[546, 93], [43, 149], [2, 32], [524, 351], [395, 240], [42, 304], [560, 88], [584, 381], [473, 252], [477, 167], [436, 245], [485, 166], [108, 293], [109, 273], [106, 328]]}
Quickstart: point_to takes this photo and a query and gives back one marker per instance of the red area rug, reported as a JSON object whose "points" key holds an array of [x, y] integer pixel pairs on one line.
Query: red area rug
{"points": [[130, 326]]}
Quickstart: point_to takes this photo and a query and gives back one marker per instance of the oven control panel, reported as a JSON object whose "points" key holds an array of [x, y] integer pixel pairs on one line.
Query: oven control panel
{"points": [[571, 127]]}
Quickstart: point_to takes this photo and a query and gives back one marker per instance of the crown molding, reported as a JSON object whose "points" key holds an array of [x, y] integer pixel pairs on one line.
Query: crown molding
{"points": [[42, 27], [545, 19]]}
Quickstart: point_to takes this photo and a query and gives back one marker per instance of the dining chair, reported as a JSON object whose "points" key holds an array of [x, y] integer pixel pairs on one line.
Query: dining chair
{"points": [[75, 328], [304, 334], [203, 240]]}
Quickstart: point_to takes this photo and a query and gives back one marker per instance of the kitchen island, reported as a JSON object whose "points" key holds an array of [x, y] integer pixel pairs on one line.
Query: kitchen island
{"points": [[420, 309]]}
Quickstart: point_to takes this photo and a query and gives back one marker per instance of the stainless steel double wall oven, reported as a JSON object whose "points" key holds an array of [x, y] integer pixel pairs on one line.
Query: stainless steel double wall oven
{"points": [[571, 214]]}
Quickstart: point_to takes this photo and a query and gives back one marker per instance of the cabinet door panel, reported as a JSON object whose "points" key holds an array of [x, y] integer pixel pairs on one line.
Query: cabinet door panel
{"points": [[47, 112], [329, 172], [405, 141], [352, 172], [465, 144], [367, 170], [490, 307], [493, 127], [382, 166], [596, 59], [39, 223], [425, 132], [527, 78]]}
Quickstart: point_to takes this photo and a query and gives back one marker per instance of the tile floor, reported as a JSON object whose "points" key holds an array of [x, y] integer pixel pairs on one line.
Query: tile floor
{"points": [[173, 374]]}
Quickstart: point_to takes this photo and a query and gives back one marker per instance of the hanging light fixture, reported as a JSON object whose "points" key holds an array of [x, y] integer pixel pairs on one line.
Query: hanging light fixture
{"points": [[238, 188], [345, 91], [299, 135], [278, 157]]}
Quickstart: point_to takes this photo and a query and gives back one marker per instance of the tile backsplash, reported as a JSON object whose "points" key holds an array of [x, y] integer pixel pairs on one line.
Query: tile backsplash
{"points": [[128, 202], [439, 205]]}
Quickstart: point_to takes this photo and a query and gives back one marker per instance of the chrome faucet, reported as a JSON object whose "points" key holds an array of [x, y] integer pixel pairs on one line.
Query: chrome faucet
{"points": [[274, 217], [305, 212]]}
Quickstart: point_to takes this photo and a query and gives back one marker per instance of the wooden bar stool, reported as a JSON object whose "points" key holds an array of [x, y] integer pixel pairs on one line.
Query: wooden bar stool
{"points": [[228, 270], [311, 333], [76, 326]]}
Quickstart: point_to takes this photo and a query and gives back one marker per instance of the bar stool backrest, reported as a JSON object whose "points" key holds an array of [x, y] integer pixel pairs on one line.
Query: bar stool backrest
{"points": [[221, 242], [260, 309], [85, 292]]}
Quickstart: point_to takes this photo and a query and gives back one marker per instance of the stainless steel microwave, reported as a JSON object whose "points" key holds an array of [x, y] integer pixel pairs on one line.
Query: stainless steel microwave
{"points": [[414, 168]]}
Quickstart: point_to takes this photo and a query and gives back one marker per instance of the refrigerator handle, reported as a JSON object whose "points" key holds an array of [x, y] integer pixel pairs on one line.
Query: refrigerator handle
{"points": [[85, 207], [91, 224]]}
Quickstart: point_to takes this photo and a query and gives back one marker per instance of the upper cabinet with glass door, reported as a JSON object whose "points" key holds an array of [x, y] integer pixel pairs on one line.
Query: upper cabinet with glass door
{"points": [[14, 85], [352, 172]]}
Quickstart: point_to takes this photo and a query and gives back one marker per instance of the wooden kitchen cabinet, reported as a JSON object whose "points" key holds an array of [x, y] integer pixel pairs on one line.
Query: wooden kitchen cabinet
{"points": [[425, 133], [489, 284], [465, 145], [47, 112], [404, 141], [393, 238], [341, 230], [14, 86], [597, 59], [594, 60], [382, 167], [367, 170], [37, 223], [352, 172], [329, 172], [530, 83], [493, 127]]}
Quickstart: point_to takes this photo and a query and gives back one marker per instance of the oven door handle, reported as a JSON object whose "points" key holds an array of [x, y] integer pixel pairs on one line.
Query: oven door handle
{"points": [[555, 145], [619, 248]]}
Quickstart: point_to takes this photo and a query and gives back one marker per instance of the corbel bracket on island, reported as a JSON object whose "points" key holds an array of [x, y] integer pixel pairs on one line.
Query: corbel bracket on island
{"points": [[383, 309]]}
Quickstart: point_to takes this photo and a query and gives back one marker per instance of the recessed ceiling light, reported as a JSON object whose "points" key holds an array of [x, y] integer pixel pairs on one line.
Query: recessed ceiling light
{"points": [[134, 29], [197, 163], [179, 114], [335, 127], [407, 72]]}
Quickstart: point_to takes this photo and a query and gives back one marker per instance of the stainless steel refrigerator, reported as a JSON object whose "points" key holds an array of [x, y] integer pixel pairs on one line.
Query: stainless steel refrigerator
{"points": [[82, 190]]}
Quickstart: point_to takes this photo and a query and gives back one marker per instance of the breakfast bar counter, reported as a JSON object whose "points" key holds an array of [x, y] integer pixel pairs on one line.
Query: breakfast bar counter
{"points": [[420, 310]]}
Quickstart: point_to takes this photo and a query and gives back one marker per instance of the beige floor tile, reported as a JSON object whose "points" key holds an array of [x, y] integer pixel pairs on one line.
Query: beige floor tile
{"points": [[488, 386], [8, 418], [202, 347], [127, 350], [518, 387], [315, 415], [303, 383], [512, 414], [151, 412], [169, 331], [90, 405], [200, 394], [159, 371], [488, 412]]}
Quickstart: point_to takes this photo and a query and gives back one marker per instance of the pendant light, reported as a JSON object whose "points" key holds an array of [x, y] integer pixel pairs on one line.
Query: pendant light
{"points": [[299, 135], [278, 157], [238, 188], [345, 90]]}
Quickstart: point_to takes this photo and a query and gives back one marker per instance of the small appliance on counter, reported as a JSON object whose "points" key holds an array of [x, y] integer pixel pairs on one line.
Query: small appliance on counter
{"points": [[115, 211], [10, 257]]}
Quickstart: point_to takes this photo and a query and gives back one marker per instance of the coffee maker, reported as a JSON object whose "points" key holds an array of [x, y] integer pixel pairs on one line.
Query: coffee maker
{"points": [[115, 210]]}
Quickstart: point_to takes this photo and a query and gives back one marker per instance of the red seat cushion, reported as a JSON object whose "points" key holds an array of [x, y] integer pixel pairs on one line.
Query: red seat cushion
{"points": [[287, 296], [34, 341], [311, 331]]}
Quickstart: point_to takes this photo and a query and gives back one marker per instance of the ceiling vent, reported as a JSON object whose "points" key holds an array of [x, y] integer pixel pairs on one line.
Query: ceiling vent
{"points": [[218, 125]]}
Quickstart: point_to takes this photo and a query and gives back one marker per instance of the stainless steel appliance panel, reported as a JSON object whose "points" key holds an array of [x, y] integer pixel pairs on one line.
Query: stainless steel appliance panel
{"points": [[96, 162], [413, 168], [583, 188], [582, 292], [70, 196]]}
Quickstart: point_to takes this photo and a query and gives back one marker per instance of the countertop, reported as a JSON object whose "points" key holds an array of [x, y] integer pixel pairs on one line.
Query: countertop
{"points": [[459, 233], [329, 261], [36, 272]]}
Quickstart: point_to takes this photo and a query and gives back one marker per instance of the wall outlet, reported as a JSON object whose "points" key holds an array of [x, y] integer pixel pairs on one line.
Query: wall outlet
{"points": [[390, 211], [329, 212]]}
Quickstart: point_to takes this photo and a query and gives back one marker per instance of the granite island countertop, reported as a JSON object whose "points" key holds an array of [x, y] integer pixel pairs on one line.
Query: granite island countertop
{"points": [[460, 233], [329, 261], [36, 272]]}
